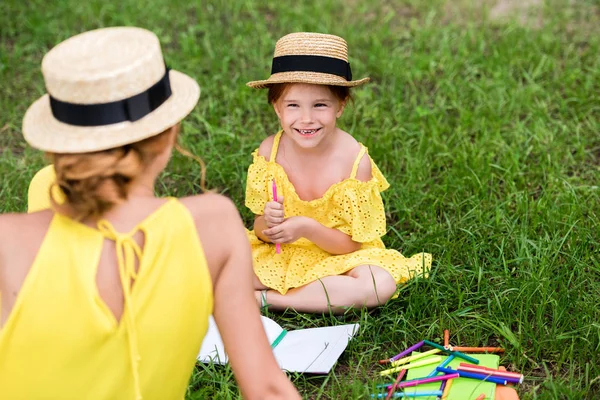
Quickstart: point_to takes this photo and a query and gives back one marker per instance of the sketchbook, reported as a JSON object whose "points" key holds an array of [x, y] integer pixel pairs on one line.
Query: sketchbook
{"points": [[313, 350]]}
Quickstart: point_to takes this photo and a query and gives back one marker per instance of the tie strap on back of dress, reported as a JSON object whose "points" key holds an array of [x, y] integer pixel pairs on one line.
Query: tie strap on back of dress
{"points": [[127, 250]]}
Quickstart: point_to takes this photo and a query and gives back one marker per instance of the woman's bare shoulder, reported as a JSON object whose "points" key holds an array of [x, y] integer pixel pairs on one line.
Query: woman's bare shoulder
{"points": [[23, 233], [210, 206], [219, 227], [215, 215], [16, 226]]}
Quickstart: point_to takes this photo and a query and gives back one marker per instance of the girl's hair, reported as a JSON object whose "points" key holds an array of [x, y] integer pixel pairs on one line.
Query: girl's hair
{"points": [[95, 182], [342, 93]]}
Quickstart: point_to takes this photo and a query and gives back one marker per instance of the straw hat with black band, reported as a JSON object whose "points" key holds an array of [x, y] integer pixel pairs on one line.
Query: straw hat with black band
{"points": [[306, 57], [107, 88]]}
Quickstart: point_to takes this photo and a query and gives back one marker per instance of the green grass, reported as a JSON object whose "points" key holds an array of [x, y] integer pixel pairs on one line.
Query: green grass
{"points": [[488, 132]]}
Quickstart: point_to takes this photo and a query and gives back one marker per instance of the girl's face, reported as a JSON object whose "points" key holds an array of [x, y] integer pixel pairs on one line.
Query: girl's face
{"points": [[308, 113]]}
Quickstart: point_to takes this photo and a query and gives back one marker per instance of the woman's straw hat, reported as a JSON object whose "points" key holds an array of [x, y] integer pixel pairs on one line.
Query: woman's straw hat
{"points": [[306, 57], [107, 88]]}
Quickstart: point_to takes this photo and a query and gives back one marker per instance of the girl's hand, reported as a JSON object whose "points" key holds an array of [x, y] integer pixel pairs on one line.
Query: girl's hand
{"points": [[273, 213], [288, 231]]}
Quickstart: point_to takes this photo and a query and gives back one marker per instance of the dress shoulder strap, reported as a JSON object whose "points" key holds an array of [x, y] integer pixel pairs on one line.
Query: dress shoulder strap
{"points": [[275, 146], [361, 153]]}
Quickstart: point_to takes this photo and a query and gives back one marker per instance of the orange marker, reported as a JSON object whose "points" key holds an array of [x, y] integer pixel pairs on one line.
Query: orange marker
{"points": [[479, 349], [446, 338]]}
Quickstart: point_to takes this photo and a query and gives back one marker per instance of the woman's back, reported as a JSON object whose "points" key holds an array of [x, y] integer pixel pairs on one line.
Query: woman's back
{"points": [[68, 323]]}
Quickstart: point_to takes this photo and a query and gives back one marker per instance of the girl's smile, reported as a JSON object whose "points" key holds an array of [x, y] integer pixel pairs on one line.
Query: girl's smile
{"points": [[308, 113], [307, 132]]}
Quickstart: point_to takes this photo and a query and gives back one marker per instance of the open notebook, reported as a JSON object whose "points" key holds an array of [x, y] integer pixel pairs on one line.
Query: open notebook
{"points": [[313, 350]]}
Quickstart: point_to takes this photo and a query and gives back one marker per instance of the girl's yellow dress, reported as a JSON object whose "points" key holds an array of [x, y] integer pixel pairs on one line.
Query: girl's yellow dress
{"points": [[351, 206], [61, 341]]}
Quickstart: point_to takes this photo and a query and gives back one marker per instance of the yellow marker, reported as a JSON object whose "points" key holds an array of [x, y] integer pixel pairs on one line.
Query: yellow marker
{"points": [[415, 357], [431, 360]]}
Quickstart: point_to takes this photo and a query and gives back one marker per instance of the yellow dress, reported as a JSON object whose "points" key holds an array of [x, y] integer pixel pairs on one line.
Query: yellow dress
{"points": [[38, 195], [61, 341], [351, 206]]}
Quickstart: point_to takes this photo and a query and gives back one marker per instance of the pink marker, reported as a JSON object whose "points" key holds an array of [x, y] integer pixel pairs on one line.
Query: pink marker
{"points": [[277, 245]]}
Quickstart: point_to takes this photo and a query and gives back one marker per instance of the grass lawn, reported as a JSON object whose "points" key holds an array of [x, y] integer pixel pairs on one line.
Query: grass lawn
{"points": [[487, 129]]}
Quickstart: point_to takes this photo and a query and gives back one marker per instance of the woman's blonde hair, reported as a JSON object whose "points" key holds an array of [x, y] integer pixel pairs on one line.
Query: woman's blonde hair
{"points": [[95, 182]]}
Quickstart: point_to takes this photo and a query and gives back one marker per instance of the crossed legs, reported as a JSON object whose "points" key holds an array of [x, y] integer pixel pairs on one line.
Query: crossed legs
{"points": [[362, 286]]}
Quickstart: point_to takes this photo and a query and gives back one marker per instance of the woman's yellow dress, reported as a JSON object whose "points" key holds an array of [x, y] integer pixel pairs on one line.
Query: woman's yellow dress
{"points": [[61, 341], [351, 206]]}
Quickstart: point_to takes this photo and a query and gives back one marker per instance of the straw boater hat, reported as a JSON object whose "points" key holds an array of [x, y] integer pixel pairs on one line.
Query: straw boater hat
{"points": [[305, 57], [107, 88]]}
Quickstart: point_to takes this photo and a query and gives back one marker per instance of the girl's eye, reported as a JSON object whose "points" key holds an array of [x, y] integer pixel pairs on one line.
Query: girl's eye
{"points": [[320, 105], [292, 105]]}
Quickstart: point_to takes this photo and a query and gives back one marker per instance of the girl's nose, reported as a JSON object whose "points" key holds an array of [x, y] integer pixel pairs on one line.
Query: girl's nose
{"points": [[306, 116]]}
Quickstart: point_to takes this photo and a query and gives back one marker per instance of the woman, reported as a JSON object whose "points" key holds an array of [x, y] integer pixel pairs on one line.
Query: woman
{"points": [[107, 295]]}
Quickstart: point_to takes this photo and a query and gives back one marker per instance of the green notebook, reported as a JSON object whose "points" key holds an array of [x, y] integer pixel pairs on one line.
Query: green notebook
{"points": [[462, 388]]}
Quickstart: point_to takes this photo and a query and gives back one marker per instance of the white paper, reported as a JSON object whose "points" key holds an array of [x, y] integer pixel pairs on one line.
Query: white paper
{"points": [[213, 350], [312, 350]]}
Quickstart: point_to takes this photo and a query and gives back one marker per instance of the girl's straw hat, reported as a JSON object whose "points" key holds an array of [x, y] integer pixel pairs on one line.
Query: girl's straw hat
{"points": [[306, 57], [107, 88]]}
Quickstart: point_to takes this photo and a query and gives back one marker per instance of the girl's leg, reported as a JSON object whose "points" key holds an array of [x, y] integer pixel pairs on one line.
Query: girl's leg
{"points": [[258, 285], [365, 285]]}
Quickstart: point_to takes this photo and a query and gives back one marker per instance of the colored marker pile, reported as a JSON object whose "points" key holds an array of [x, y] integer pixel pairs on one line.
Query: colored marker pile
{"points": [[470, 369]]}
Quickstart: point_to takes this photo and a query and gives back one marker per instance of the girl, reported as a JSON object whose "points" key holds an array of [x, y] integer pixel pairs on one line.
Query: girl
{"points": [[108, 297], [328, 217]]}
